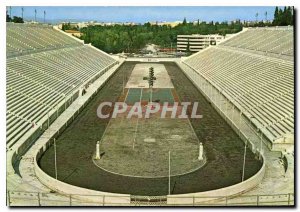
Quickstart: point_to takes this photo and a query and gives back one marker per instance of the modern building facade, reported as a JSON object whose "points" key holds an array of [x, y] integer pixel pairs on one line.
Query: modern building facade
{"points": [[196, 42]]}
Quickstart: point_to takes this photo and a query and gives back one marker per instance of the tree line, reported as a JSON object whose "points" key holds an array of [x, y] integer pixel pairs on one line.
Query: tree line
{"points": [[68, 26], [15, 19], [283, 17], [119, 38]]}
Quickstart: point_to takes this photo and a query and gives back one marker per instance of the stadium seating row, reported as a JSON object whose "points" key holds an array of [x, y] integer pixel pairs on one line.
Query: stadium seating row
{"points": [[260, 85], [273, 40], [29, 37], [38, 82]]}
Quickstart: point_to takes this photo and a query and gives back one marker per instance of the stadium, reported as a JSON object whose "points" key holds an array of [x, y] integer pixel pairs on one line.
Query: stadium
{"points": [[60, 153]]}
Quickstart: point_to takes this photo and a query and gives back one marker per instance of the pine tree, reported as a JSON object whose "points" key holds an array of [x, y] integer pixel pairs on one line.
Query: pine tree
{"points": [[275, 21], [292, 15], [184, 21], [289, 16], [280, 17], [8, 19], [284, 17]]}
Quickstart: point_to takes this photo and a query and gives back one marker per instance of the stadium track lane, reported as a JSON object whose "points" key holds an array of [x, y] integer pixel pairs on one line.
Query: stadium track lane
{"points": [[76, 145]]}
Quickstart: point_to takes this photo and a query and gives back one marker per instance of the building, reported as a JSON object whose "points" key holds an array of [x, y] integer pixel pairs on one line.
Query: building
{"points": [[171, 24], [197, 42]]}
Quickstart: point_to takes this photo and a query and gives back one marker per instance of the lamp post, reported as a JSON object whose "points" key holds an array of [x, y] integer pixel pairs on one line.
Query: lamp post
{"points": [[266, 14], [240, 123], [244, 162], [261, 142], [65, 101], [256, 15], [55, 160], [169, 172], [35, 15], [48, 120], [137, 123], [44, 16]]}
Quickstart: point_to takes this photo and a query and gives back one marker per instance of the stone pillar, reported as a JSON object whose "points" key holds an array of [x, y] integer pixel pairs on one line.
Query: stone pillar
{"points": [[200, 157], [97, 151]]}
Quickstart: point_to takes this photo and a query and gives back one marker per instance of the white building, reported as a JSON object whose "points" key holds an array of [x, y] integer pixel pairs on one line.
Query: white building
{"points": [[197, 42]]}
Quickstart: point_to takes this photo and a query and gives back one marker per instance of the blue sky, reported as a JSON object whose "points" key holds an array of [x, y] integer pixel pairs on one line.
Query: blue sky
{"points": [[141, 14]]}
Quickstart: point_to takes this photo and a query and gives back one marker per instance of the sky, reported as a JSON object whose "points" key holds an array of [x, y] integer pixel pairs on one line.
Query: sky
{"points": [[142, 14]]}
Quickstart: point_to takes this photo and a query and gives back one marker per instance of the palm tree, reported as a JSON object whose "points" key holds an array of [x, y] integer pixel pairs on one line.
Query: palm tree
{"points": [[256, 15]]}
